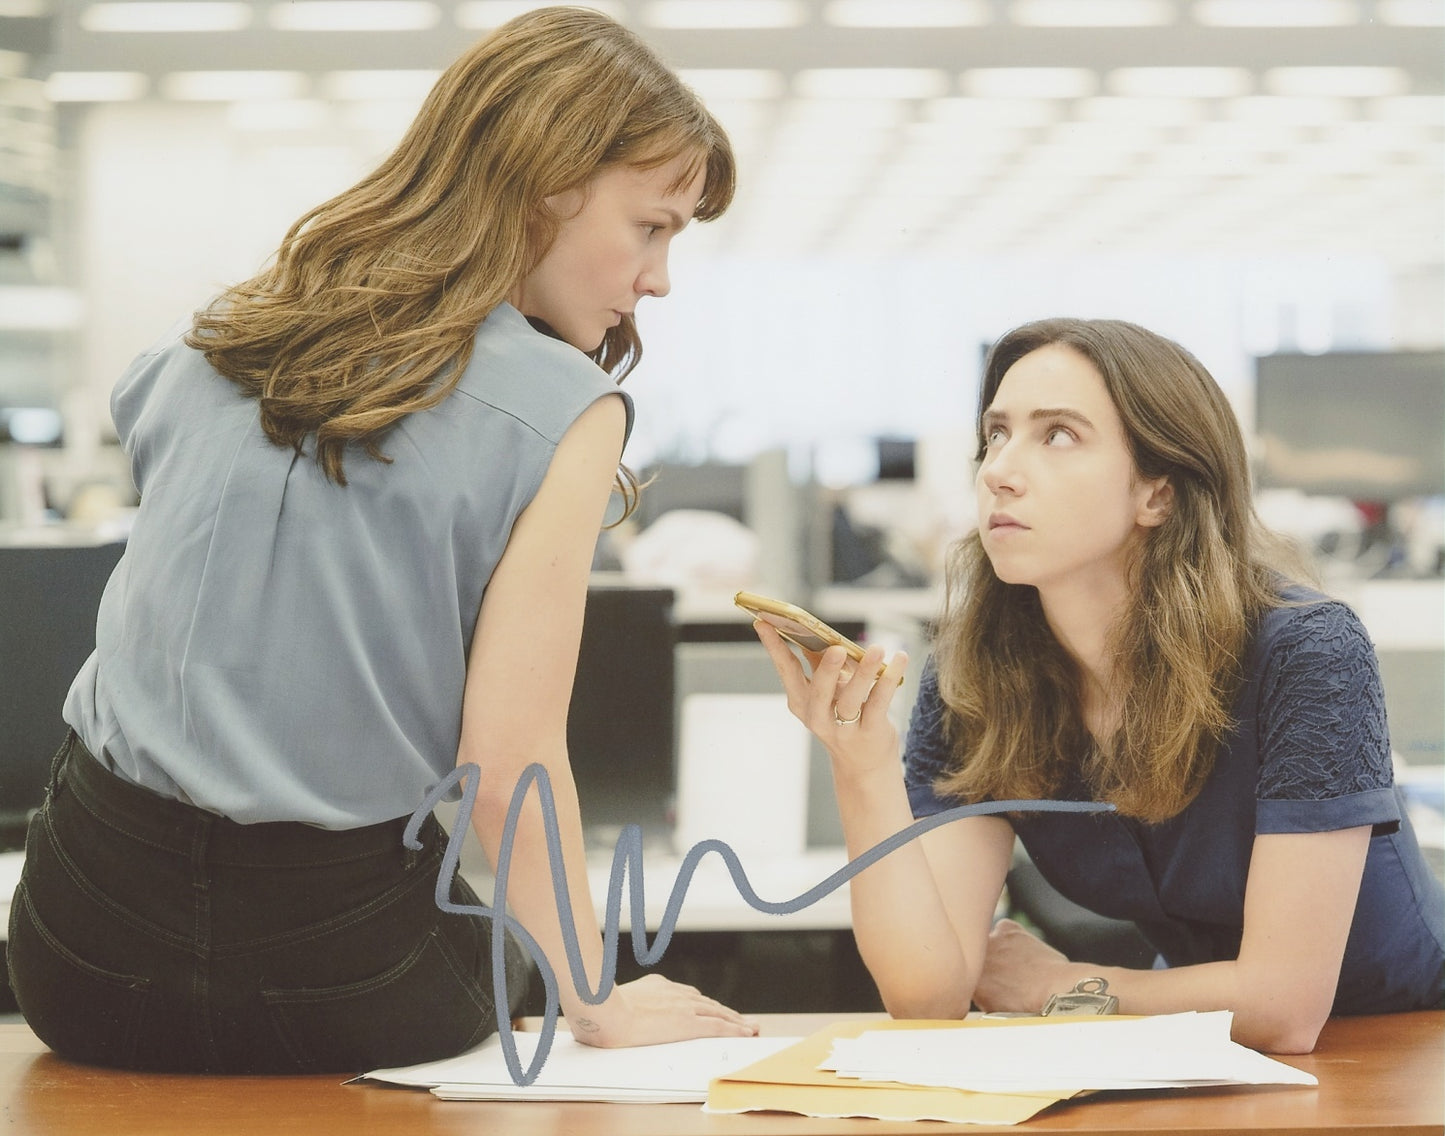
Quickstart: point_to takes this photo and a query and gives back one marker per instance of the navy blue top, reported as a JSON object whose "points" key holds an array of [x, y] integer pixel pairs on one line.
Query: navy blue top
{"points": [[1309, 752]]}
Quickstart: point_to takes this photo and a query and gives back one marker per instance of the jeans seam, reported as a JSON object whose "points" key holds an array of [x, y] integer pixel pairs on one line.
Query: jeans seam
{"points": [[329, 925], [95, 895]]}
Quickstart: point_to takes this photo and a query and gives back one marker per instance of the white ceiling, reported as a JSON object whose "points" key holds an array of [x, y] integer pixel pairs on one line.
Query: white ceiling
{"points": [[1035, 126]]}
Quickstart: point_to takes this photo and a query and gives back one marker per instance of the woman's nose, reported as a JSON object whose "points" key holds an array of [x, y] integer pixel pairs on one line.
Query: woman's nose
{"points": [[654, 280], [1000, 470]]}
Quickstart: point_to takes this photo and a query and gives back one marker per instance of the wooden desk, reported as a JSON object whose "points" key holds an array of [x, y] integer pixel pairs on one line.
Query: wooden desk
{"points": [[1379, 1075]]}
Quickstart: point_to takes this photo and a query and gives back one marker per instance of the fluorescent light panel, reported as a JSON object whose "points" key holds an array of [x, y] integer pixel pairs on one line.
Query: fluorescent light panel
{"points": [[95, 86], [354, 15], [360, 86], [1343, 82], [907, 13], [1093, 13], [1180, 82], [481, 15], [1411, 13], [871, 82], [734, 83], [1276, 13], [1029, 82], [167, 16], [278, 115], [232, 86], [725, 14]]}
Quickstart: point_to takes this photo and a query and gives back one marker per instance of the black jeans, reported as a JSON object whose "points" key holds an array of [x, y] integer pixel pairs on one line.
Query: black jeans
{"points": [[149, 934]]}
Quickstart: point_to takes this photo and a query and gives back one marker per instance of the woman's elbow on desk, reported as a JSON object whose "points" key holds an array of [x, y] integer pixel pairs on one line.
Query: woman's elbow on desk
{"points": [[1279, 1029]]}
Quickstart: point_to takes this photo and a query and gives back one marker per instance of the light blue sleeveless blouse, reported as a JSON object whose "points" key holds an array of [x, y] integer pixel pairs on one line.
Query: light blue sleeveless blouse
{"points": [[273, 646]]}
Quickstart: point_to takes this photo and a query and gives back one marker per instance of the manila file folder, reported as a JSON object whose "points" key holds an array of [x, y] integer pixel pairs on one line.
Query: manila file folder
{"points": [[790, 1081]]}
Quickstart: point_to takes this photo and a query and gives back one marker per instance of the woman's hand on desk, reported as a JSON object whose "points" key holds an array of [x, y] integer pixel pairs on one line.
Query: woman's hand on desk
{"points": [[653, 1009], [1020, 971]]}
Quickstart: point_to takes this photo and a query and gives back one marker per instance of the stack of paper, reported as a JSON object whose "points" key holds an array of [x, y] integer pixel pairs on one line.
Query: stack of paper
{"points": [[991, 1071], [1170, 1051], [651, 1074]]}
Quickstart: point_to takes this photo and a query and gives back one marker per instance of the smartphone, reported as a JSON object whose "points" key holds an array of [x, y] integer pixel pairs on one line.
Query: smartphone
{"points": [[799, 626]]}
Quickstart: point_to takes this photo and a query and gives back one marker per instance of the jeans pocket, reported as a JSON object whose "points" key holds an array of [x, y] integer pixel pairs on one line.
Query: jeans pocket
{"points": [[80, 1010], [423, 1008]]}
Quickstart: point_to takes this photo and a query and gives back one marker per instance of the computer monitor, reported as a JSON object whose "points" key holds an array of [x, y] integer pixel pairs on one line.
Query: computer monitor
{"points": [[1362, 425], [620, 735], [49, 595]]}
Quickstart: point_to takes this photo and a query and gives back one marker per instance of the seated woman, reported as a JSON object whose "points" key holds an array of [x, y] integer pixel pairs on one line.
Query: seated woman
{"points": [[1121, 628]]}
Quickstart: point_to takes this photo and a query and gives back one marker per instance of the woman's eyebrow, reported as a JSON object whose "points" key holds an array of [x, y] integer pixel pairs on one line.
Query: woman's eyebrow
{"points": [[1065, 412], [1044, 413]]}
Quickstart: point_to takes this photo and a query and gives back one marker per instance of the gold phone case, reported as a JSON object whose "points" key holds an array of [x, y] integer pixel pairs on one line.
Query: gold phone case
{"points": [[800, 627], [796, 625]]}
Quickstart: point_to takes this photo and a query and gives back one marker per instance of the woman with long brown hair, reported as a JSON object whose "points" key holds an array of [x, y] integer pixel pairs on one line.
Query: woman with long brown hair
{"points": [[1120, 628], [372, 479]]}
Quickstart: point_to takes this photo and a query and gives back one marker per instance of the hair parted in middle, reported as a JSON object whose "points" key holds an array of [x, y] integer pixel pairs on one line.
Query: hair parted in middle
{"points": [[1200, 583], [368, 311]]}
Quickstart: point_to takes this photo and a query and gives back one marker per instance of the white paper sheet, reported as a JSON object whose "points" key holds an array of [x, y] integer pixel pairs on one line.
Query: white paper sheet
{"points": [[676, 1071], [1172, 1050]]}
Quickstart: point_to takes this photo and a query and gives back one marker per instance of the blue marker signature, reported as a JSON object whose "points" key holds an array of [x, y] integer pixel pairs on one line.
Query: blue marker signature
{"points": [[626, 861]]}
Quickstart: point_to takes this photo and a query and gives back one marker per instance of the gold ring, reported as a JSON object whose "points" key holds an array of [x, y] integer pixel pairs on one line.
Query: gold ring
{"points": [[853, 721]]}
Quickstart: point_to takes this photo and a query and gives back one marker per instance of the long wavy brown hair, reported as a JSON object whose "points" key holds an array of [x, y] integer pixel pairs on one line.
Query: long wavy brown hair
{"points": [[1201, 581], [368, 310]]}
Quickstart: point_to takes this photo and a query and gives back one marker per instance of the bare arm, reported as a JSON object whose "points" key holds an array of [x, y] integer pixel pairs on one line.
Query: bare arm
{"points": [[514, 713], [921, 915], [1299, 901]]}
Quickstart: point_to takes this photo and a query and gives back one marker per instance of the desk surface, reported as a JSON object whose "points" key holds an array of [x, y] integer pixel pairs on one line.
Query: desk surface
{"points": [[1378, 1075]]}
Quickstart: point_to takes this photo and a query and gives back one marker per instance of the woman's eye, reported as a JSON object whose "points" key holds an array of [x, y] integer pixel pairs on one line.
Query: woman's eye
{"points": [[1059, 435], [993, 435]]}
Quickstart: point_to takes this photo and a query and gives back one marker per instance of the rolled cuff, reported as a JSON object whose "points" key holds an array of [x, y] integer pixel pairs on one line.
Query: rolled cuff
{"points": [[1379, 808]]}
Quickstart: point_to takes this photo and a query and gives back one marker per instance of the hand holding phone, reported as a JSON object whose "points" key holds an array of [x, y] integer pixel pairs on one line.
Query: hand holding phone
{"points": [[799, 626]]}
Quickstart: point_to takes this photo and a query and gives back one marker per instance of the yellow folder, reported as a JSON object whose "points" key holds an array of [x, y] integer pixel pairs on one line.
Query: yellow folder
{"points": [[790, 1081]]}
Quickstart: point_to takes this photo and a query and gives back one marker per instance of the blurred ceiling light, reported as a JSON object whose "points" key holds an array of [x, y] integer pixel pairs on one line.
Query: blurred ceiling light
{"points": [[1093, 13], [390, 117], [1290, 111], [871, 83], [167, 16], [995, 112], [1150, 110], [734, 83], [1343, 82], [1427, 110], [278, 114], [95, 86], [1276, 13], [907, 13], [1030, 82], [354, 15], [38, 307], [356, 86], [1180, 82], [482, 14], [232, 86], [1411, 13], [725, 14]]}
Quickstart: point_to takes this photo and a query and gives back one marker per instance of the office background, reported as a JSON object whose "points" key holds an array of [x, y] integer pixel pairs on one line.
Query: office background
{"points": [[1263, 180]]}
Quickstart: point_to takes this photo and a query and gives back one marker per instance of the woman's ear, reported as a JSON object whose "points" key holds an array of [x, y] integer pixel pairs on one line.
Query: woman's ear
{"points": [[1157, 502]]}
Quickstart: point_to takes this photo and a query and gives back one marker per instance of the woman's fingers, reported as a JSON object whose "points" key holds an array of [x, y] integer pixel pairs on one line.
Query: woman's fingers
{"points": [[835, 696]]}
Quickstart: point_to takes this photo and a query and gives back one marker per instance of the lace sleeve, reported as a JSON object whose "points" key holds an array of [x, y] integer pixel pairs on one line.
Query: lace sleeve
{"points": [[1322, 731], [926, 753]]}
